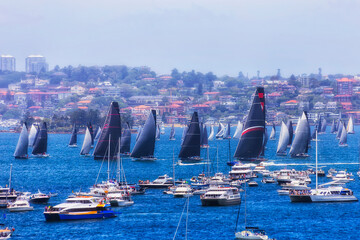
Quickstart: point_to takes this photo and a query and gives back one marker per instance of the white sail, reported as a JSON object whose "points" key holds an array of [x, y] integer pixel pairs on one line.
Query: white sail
{"points": [[297, 124], [343, 137], [350, 126], [85, 149], [212, 133], [273, 132], [222, 131], [32, 135], [238, 130], [300, 143], [283, 139]]}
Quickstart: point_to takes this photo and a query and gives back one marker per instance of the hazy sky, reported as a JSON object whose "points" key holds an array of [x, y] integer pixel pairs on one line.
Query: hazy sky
{"points": [[225, 36]]}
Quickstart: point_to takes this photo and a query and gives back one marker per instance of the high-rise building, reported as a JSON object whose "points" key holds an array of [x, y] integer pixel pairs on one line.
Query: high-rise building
{"points": [[36, 63], [7, 63]]}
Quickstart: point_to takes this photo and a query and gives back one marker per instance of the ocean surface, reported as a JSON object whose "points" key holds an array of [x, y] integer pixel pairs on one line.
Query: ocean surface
{"points": [[156, 215]]}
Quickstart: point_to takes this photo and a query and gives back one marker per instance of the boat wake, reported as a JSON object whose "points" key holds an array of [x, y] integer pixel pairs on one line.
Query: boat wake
{"points": [[306, 164]]}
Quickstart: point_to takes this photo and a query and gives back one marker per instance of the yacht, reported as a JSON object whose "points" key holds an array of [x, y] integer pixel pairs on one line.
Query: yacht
{"points": [[119, 198], [20, 205], [284, 176], [342, 177], [294, 185], [161, 182], [78, 208], [332, 193], [240, 171], [182, 190], [39, 197], [221, 196]]}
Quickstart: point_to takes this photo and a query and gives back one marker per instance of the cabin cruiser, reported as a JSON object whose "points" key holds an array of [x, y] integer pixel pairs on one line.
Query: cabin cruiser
{"points": [[342, 177], [293, 185], [253, 184], [284, 176], [77, 208], [332, 193], [241, 171], [20, 205], [221, 196], [161, 182], [252, 233], [268, 180], [119, 198], [182, 190], [39, 197], [259, 169]]}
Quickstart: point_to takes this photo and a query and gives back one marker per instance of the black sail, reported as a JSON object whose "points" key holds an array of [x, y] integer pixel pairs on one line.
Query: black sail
{"points": [[145, 145], [73, 139], [291, 131], [252, 138], [125, 141], [191, 144], [205, 141], [110, 134], [40, 145], [172, 133]]}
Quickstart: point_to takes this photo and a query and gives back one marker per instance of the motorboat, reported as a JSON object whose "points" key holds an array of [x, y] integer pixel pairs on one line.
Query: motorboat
{"points": [[6, 195], [253, 184], [5, 233], [182, 190], [221, 196], [268, 180], [79, 208], [284, 176], [20, 205], [39, 197], [241, 171], [161, 182], [252, 233], [120, 198], [342, 177]]}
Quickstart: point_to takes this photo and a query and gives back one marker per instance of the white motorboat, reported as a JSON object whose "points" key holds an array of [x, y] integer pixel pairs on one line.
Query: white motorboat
{"points": [[342, 177], [221, 196], [241, 171], [20, 205], [332, 194], [6, 233], [253, 184], [252, 233], [120, 199], [161, 182], [182, 190], [39, 197]]}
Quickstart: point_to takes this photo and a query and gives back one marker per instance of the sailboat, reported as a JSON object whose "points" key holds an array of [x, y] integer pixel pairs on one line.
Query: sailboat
{"points": [[212, 133], [238, 130], [172, 133], [162, 129], [283, 140], [186, 127], [32, 135], [291, 132], [91, 133], [338, 134], [249, 233], [190, 147], [21, 151], [350, 126], [40, 145], [112, 126], [204, 136], [323, 126], [145, 145], [73, 139], [299, 147], [343, 137], [273, 132], [226, 134], [251, 142], [138, 133], [220, 132], [86, 147], [157, 132], [333, 127], [125, 141]]}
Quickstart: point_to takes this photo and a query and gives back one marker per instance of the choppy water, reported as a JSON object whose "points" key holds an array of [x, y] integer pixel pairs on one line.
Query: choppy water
{"points": [[155, 215]]}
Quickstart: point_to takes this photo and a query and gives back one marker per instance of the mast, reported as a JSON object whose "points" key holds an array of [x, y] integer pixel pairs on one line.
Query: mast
{"points": [[173, 166], [316, 164], [118, 161], [10, 177], [245, 204], [108, 170]]}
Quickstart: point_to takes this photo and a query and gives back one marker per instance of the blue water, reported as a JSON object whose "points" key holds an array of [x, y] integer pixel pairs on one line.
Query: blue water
{"points": [[155, 215]]}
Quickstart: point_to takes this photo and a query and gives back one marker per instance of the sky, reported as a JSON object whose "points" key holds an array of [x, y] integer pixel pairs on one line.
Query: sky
{"points": [[222, 36]]}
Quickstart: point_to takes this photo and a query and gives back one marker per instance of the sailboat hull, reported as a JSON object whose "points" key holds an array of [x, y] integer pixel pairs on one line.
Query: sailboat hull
{"points": [[72, 146], [22, 157]]}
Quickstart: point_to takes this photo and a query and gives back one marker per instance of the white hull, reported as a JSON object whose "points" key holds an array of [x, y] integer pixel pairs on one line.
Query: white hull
{"points": [[21, 209], [335, 198]]}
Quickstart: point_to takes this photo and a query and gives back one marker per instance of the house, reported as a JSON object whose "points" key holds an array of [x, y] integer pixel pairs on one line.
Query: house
{"points": [[331, 106], [291, 104], [77, 89], [20, 98], [319, 106]]}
